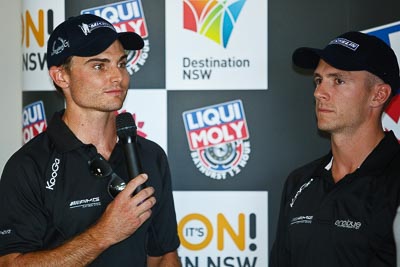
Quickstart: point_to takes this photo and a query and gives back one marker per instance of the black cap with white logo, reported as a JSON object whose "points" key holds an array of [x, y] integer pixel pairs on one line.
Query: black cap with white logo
{"points": [[86, 35], [354, 51]]}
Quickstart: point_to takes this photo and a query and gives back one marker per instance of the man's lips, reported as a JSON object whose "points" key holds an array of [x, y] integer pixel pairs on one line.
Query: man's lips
{"points": [[114, 91], [324, 110]]}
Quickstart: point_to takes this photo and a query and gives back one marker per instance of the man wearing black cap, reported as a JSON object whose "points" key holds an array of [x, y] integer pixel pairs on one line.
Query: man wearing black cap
{"points": [[338, 210], [58, 197]]}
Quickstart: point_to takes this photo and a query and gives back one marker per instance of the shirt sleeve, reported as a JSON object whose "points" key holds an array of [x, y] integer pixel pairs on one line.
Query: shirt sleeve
{"points": [[23, 216]]}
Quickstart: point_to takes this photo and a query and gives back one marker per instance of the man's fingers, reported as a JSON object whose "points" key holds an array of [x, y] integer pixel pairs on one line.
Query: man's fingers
{"points": [[135, 182]]}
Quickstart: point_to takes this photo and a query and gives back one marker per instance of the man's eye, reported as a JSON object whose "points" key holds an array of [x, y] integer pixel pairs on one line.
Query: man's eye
{"points": [[339, 81], [317, 81], [98, 66], [122, 64]]}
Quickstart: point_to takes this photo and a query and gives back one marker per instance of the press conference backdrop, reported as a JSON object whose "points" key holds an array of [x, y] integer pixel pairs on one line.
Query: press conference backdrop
{"points": [[215, 87]]}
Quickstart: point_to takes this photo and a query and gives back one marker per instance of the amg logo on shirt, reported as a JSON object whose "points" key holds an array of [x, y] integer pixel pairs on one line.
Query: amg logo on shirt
{"points": [[302, 219], [85, 203]]}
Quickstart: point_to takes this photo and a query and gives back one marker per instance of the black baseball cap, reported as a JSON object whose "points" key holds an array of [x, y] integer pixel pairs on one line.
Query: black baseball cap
{"points": [[354, 51], [86, 35]]}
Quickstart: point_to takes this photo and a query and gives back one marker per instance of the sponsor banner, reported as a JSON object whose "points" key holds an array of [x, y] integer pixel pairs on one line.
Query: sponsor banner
{"points": [[33, 120], [390, 33], [38, 22], [149, 109], [247, 110], [38, 108], [218, 228], [222, 44], [218, 138]]}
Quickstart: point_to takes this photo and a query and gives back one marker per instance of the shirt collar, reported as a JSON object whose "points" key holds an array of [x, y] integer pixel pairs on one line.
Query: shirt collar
{"points": [[328, 166], [382, 154]]}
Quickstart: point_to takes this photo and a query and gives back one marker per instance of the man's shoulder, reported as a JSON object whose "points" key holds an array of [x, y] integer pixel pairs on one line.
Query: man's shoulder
{"points": [[39, 145], [34, 154]]}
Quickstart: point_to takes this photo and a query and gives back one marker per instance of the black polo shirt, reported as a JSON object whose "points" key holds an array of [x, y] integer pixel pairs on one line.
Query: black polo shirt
{"points": [[48, 196], [348, 223]]}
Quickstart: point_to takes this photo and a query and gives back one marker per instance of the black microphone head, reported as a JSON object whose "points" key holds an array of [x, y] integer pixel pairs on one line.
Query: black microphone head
{"points": [[126, 125]]}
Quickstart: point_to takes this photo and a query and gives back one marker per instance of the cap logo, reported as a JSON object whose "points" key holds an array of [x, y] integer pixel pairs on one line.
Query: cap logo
{"points": [[57, 49], [346, 43], [88, 28], [85, 28]]}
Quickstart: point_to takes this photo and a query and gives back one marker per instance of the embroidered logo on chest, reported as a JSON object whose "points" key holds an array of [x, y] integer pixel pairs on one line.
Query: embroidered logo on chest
{"points": [[348, 224], [302, 219], [304, 186], [85, 203]]}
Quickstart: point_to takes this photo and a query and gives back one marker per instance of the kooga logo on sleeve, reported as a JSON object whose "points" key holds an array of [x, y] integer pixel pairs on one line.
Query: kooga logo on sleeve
{"points": [[54, 173]]}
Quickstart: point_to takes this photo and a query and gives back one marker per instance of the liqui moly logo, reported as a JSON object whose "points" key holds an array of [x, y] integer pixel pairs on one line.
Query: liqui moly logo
{"points": [[215, 125], [218, 138], [33, 120], [126, 16]]}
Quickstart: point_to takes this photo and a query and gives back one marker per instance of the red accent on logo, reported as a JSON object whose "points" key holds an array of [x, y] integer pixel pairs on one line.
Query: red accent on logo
{"points": [[391, 117], [393, 109]]}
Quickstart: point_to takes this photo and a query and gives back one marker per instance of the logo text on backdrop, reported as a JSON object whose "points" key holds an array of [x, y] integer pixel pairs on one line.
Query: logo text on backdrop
{"points": [[218, 138]]}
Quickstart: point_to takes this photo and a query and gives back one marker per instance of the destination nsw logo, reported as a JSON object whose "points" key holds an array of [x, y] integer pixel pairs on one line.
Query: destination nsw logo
{"points": [[212, 19], [218, 138], [126, 16]]}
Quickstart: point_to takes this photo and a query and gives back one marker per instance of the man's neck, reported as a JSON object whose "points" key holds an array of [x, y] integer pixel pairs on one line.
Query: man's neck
{"points": [[350, 151], [97, 129]]}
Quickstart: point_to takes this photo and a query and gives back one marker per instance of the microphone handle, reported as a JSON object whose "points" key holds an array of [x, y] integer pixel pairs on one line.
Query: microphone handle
{"points": [[133, 162]]}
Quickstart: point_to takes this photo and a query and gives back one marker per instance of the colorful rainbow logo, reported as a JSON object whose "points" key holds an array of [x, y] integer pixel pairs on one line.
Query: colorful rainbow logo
{"points": [[212, 18]]}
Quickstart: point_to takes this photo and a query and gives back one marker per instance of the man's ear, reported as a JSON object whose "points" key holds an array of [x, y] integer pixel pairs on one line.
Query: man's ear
{"points": [[59, 76], [381, 93]]}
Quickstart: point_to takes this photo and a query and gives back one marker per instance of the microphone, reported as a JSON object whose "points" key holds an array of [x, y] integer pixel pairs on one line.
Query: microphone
{"points": [[127, 134]]}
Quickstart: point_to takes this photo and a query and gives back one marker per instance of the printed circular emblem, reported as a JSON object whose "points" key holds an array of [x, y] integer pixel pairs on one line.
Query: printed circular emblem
{"points": [[221, 154], [219, 161]]}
